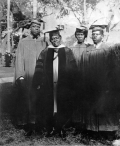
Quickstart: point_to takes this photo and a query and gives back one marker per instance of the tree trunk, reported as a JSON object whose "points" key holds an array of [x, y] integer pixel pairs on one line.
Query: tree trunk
{"points": [[0, 34], [34, 8], [8, 25], [84, 18]]}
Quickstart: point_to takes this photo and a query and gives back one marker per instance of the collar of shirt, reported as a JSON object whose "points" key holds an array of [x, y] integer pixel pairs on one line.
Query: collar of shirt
{"points": [[61, 46], [97, 45], [34, 37], [56, 48]]}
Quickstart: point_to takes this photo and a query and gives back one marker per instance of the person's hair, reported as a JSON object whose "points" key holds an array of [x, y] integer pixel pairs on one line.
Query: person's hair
{"points": [[85, 32]]}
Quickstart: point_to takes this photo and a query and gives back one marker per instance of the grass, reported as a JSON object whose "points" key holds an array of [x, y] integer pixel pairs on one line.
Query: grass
{"points": [[9, 136]]}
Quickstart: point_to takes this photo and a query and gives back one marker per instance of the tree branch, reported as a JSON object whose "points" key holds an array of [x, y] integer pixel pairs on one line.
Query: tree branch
{"points": [[92, 12], [75, 14], [47, 14]]}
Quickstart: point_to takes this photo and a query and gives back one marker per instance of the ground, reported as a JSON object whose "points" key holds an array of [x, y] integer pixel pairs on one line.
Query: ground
{"points": [[10, 136]]}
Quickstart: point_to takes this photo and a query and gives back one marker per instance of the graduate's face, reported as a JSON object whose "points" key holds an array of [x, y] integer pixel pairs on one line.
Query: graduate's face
{"points": [[97, 37], [80, 37], [35, 29], [56, 40]]}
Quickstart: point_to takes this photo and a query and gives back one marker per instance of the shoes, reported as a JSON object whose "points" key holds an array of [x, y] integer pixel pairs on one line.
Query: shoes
{"points": [[29, 133], [51, 133], [29, 129], [24, 127], [60, 133], [48, 135], [63, 134]]}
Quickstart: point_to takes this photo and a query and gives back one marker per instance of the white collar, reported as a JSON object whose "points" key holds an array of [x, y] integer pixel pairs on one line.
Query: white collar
{"points": [[61, 46], [97, 45]]}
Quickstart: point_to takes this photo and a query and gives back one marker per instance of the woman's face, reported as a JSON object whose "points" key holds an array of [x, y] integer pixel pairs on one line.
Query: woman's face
{"points": [[80, 37]]}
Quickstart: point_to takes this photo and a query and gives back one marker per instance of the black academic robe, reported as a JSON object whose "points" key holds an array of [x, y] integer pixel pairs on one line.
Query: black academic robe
{"points": [[97, 111], [65, 88], [114, 86]]}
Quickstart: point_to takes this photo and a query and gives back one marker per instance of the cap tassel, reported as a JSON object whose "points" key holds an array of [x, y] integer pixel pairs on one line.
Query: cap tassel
{"points": [[44, 37], [43, 25]]}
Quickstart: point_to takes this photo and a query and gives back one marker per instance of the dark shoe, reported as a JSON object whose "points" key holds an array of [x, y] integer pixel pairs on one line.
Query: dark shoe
{"points": [[29, 129], [19, 127], [49, 131], [48, 135], [59, 133], [29, 133], [24, 127], [63, 133], [39, 131]]}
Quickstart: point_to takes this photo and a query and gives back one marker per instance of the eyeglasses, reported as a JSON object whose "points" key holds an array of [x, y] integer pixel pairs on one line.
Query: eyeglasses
{"points": [[55, 38], [95, 34]]}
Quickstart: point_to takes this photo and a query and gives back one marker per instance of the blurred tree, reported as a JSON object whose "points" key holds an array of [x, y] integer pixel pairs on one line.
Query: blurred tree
{"points": [[22, 9], [78, 7]]}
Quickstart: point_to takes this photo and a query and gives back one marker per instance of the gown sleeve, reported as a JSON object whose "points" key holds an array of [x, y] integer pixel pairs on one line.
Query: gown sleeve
{"points": [[38, 75], [19, 65]]}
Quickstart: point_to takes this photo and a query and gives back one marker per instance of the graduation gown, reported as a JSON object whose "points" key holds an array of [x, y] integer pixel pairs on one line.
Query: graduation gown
{"points": [[27, 53], [65, 85], [114, 85], [78, 50], [97, 102]]}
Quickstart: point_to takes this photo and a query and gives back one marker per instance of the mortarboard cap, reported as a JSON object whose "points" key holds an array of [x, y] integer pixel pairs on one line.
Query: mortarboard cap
{"points": [[98, 27], [38, 21], [52, 32], [82, 29]]}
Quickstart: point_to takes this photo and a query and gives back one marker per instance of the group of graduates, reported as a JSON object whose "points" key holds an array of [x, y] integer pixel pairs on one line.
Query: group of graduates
{"points": [[59, 86]]}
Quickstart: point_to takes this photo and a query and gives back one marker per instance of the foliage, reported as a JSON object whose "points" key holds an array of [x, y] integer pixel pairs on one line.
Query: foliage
{"points": [[10, 136], [22, 9], [15, 9], [63, 6], [76, 7]]}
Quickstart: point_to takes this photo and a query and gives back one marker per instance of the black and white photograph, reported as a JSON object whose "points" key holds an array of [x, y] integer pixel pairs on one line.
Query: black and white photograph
{"points": [[60, 72]]}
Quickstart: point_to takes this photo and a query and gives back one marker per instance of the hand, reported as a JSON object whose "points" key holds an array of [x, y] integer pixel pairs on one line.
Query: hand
{"points": [[20, 82], [38, 87]]}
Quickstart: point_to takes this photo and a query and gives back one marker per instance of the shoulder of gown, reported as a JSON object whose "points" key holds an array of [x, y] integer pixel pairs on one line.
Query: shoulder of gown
{"points": [[103, 47]]}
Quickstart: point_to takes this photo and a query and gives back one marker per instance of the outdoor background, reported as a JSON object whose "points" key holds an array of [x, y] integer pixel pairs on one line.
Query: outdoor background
{"points": [[68, 14], [65, 14]]}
